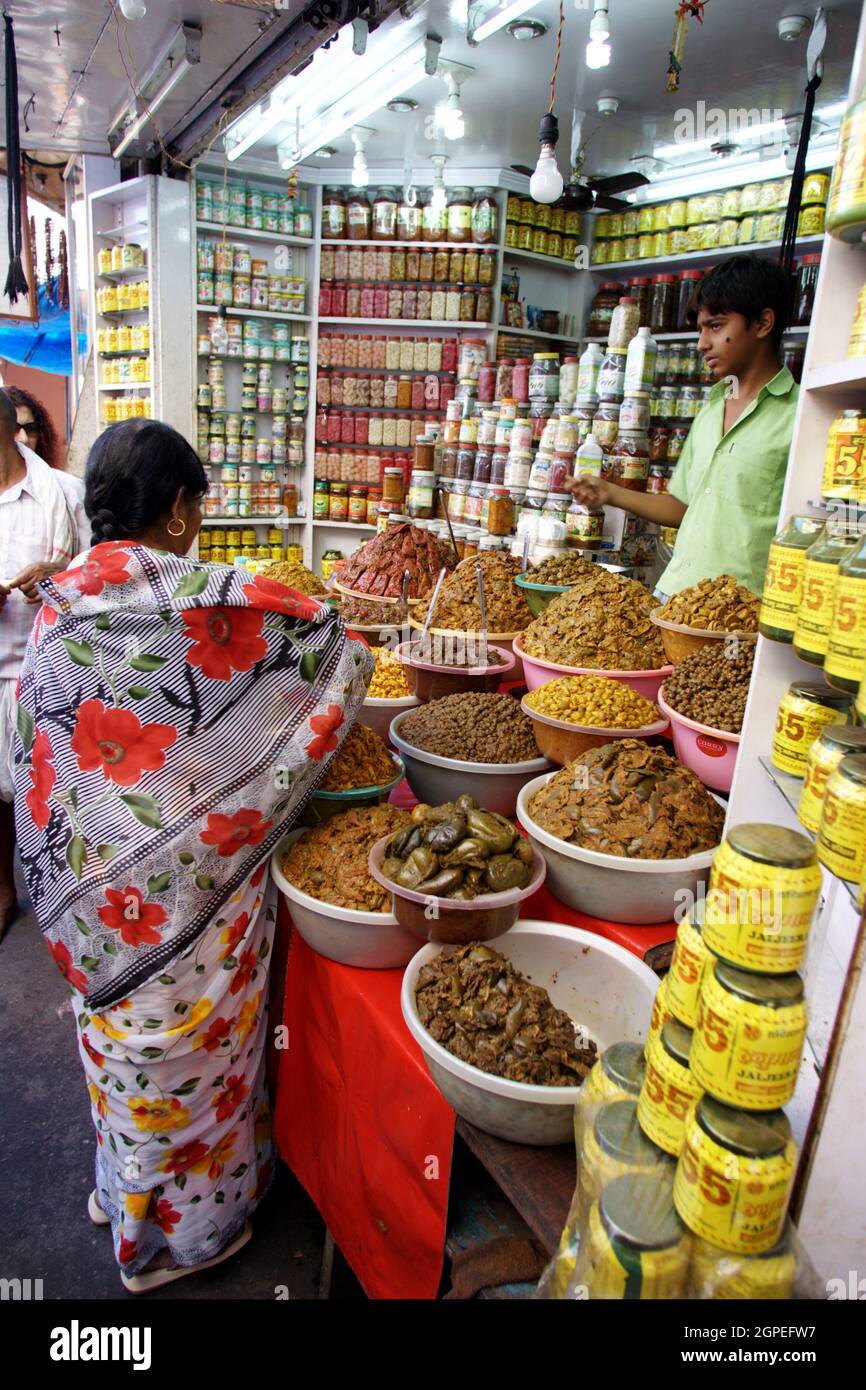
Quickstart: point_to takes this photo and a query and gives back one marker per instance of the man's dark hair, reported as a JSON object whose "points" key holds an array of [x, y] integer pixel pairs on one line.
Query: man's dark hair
{"points": [[746, 285], [8, 415], [46, 443], [134, 472]]}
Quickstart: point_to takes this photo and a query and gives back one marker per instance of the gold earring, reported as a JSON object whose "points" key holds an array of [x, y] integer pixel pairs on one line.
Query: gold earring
{"points": [[180, 522]]}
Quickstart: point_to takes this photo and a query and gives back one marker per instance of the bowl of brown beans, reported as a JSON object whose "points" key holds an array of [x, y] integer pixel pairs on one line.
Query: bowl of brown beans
{"points": [[575, 713], [447, 667]]}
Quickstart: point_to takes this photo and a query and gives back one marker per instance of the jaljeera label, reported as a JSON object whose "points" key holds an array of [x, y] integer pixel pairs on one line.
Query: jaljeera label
{"points": [[745, 1053], [783, 585], [815, 614], [846, 647], [614, 1269], [688, 963], [733, 1200], [798, 723], [667, 1092], [758, 915], [842, 832], [717, 1273]]}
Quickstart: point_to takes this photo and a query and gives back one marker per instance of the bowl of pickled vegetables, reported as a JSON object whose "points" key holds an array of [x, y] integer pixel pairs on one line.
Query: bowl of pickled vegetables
{"points": [[457, 873]]}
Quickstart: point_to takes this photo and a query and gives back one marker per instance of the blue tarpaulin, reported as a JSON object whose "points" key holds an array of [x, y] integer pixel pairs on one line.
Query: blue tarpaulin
{"points": [[45, 345]]}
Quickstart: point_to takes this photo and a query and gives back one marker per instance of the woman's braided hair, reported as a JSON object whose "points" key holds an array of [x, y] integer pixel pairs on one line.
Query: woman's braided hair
{"points": [[134, 472]]}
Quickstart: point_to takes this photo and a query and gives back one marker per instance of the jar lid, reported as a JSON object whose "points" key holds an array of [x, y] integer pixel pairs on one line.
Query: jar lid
{"points": [[628, 299], [677, 1040], [664, 279], [772, 844], [618, 1134], [811, 260], [854, 767], [771, 991], [386, 192], [545, 357], [638, 1210], [697, 274], [755, 1135], [636, 396], [820, 694], [851, 738], [611, 285]]}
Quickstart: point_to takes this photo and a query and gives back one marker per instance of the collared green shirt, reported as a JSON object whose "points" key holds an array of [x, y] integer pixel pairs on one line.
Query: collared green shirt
{"points": [[732, 486]]}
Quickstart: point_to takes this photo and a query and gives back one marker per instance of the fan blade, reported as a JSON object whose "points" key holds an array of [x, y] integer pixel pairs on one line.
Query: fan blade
{"points": [[611, 204], [619, 183], [523, 169]]}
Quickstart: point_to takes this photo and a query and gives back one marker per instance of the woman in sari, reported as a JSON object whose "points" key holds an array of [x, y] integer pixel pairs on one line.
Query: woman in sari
{"points": [[174, 717]]}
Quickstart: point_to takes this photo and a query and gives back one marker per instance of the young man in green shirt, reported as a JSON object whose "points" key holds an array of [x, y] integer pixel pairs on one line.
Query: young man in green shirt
{"points": [[726, 489]]}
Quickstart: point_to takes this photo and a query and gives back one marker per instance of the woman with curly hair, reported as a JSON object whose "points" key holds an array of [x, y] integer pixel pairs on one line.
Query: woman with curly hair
{"points": [[36, 431]]}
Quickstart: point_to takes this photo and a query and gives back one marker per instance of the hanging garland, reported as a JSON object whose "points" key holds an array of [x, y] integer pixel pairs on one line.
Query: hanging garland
{"points": [[686, 10]]}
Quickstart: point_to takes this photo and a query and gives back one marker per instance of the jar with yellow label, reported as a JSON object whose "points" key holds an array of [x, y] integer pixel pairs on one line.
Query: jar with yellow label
{"points": [[613, 1144], [834, 743], [635, 1245], [764, 886], [845, 662], [646, 220], [689, 963], [617, 1075], [810, 221], [820, 576], [717, 1273], [845, 457], [842, 832], [846, 206], [857, 340], [661, 1012], [669, 1087], [783, 583], [749, 1036], [803, 711], [734, 1176]]}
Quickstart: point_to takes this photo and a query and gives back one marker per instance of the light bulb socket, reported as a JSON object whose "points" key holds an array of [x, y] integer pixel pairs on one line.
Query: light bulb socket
{"points": [[548, 129]]}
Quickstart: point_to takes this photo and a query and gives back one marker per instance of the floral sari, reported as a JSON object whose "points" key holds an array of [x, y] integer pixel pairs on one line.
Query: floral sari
{"points": [[173, 720]]}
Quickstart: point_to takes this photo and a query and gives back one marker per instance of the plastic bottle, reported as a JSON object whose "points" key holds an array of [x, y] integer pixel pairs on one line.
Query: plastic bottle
{"points": [[589, 459], [588, 370], [640, 362]]}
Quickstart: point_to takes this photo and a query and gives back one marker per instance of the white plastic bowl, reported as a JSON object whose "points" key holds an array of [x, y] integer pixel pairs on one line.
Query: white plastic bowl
{"points": [[371, 940], [602, 987], [640, 892], [435, 780], [378, 713]]}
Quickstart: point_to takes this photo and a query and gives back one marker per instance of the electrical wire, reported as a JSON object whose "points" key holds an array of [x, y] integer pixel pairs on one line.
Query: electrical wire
{"points": [[555, 72]]}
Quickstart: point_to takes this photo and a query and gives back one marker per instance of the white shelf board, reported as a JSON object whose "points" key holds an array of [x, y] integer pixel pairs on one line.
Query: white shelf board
{"points": [[414, 245], [345, 525], [122, 233], [229, 233], [221, 518], [537, 333], [847, 375], [138, 272], [689, 335], [232, 312], [125, 386], [698, 258], [552, 262], [453, 324]]}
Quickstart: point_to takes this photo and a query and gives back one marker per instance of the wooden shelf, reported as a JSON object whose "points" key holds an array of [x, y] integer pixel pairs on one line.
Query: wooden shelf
{"points": [[229, 233], [701, 258], [844, 376], [274, 314]]}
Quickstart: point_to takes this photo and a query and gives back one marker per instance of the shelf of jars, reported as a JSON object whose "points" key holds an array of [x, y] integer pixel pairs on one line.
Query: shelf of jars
{"points": [[234, 309], [225, 230], [123, 386], [685, 259], [279, 519], [689, 335], [454, 324], [550, 262], [791, 789], [537, 333]]}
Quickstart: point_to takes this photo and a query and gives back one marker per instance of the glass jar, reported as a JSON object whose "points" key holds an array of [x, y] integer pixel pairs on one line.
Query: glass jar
{"points": [[602, 307], [487, 268], [499, 512], [459, 219], [333, 214], [468, 303], [611, 376], [663, 303], [484, 217], [452, 304], [338, 503], [465, 463], [421, 491], [688, 283], [434, 219], [629, 460], [409, 223], [358, 216], [471, 265], [635, 411], [544, 377], [820, 578], [520, 379], [676, 442], [624, 323], [384, 219]]}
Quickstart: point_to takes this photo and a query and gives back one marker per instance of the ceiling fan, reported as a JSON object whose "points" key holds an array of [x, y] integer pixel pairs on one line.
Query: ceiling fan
{"points": [[584, 195]]}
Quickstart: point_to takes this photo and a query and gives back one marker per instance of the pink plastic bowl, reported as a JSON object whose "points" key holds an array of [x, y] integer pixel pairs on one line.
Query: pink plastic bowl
{"points": [[537, 672], [711, 753]]}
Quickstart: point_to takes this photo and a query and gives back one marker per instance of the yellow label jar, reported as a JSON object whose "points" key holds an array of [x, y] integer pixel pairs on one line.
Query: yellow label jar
{"points": [[804, 710], [764, 886], [717, 1273], [842, 832], [749, 1037], [845, 662], [617, 1075], [857, 340], [614, 1143], [820, 576], [669, 1087], [688, 965], [635, 1245], [845, 457], [783, 582], [733, 1179], [660, 1012], [835, 742]]}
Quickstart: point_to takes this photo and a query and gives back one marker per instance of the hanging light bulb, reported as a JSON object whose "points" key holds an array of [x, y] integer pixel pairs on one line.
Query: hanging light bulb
{"points": [[133, 9], [598, 47], [546, 183], [449, 114], [439, 193], [360, 176]]}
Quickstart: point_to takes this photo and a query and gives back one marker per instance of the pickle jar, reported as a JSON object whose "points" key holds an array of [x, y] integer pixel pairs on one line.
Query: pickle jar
{"points": [[783, 582], [841, 842], [804, 710], [845, 458], [834, 743], [820, 576], [845, 662]]}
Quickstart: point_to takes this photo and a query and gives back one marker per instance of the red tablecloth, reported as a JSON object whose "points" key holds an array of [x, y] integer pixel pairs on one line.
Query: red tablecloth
{"points": [[360, 1122]]}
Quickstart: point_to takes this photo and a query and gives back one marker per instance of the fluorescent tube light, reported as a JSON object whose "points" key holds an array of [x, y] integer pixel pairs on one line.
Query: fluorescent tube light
{"points": [[484, 21], [158, 84]]}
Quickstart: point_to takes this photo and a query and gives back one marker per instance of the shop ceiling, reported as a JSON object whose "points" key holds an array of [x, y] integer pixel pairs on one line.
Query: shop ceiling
{"points": [[734, 60]]}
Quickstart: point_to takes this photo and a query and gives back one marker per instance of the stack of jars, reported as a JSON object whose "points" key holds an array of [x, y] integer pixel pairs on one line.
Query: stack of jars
{"points": [[127, 407], [410, 302], [229, 275], [458, 215], [126, 297], [546, 229], [236, 205]]}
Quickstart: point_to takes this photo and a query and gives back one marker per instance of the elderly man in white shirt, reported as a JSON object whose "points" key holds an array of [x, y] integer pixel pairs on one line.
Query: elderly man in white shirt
{"points": [[36, 540]]}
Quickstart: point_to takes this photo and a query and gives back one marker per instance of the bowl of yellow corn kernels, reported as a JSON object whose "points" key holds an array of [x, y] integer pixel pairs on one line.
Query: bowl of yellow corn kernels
{"points": [[574, 713], [388, 693]]}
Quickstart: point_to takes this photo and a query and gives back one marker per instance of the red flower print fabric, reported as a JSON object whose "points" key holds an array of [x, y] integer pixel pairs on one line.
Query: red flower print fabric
{"points": [[116, 742]]}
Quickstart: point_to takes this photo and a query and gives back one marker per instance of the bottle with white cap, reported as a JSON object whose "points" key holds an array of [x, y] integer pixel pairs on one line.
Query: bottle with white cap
{"points": [[640, 362]]}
